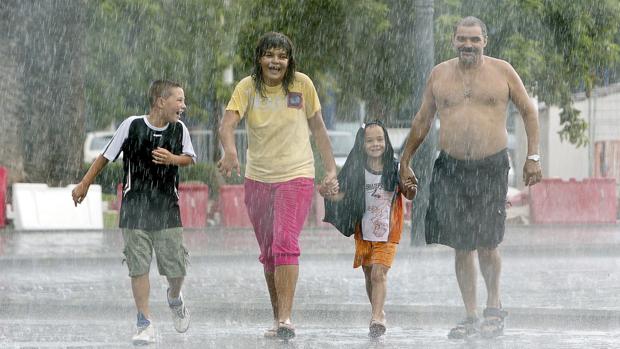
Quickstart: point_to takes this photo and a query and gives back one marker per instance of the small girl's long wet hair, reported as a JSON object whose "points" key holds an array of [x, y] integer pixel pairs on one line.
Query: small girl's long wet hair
{"points": [[351, 177], [268, 41]]}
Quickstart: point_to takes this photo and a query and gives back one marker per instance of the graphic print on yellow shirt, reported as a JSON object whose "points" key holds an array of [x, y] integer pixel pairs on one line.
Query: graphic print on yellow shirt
{"points": [[277, 127]]}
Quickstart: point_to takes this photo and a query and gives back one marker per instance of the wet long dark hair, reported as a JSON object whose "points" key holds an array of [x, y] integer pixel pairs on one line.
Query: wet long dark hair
{"points": [[346, 214], [268, 41], [351, 177]]}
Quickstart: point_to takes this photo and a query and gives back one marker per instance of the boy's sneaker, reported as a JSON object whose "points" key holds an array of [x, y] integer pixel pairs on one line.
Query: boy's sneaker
{"points": [[144, 335], [180, 314]]}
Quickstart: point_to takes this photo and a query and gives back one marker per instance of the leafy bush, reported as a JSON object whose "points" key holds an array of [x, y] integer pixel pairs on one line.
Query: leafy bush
{"points": [[109, 178], [234, 179]]}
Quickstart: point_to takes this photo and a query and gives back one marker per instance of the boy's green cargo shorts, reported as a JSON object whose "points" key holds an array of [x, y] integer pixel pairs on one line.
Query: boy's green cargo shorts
{"points": [[172, 256]]}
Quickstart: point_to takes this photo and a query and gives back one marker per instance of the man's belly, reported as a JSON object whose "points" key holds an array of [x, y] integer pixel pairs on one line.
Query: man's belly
{"points": [[471, 140]]}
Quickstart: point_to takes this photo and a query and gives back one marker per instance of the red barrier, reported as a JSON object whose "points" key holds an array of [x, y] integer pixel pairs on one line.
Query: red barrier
{"points": [[193, 203], [116, 205], [591, 200], [232, 207], [4, 174]]}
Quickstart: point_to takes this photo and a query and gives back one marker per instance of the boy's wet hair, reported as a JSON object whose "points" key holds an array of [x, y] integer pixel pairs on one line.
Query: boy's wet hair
{"points": [[471, 21], [268, 41], [161, 88], [351, 170]]}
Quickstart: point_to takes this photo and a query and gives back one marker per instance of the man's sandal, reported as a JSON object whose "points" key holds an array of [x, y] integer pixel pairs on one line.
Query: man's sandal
{"points": [[465, 329], [493, 324]]}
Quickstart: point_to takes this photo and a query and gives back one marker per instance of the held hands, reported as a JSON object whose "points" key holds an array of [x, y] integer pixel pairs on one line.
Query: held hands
{"points": [[532, 172], [229, 164], [162, 156], [409, 182], [329, 185], [79, 193]]}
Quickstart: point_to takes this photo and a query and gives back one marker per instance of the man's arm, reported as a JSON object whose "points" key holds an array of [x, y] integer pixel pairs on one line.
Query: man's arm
{"points": [[317, 126], [229, 163], [420, 126], [532, 172], [81, 189]]}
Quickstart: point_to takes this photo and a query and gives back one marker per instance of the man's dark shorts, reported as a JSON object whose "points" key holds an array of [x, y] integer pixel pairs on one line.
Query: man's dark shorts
{"points": [[467, 205]]}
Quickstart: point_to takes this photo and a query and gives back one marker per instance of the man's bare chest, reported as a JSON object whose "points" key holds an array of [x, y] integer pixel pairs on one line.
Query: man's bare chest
{"points": [[484, 91]]}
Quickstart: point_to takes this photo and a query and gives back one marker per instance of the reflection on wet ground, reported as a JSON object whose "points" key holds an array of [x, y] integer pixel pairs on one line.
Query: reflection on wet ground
{"points": [[70, 290], [113, 334]]}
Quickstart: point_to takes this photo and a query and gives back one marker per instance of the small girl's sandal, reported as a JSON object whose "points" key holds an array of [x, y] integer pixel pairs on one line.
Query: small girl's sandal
{"points": [[376, 329], [285, 331]]}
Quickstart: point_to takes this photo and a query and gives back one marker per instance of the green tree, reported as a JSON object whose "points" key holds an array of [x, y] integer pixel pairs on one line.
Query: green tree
{"points": [[42, 89], [132, 42], [356, 48]]}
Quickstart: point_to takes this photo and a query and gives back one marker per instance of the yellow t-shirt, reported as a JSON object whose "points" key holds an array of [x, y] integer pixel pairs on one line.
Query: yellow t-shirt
{"points": [[277, 127]]}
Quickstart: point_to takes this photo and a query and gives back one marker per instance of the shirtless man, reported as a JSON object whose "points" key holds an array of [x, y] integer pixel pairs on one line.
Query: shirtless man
{"points": [[468, 188]]}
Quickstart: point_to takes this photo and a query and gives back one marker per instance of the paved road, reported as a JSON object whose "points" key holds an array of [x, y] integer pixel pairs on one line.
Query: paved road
{"points": [[69, 289]]}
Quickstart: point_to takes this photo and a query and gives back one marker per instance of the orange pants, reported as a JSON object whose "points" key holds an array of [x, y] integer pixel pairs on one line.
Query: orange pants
{"points": [[374, 252]]}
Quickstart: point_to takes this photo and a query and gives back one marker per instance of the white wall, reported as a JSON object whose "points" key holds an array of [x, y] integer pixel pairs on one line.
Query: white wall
{"points": [[604, 110], [562, 159]]}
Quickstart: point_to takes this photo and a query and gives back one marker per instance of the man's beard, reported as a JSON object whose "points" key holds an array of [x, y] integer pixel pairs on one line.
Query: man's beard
{"points": [[470, 59]]}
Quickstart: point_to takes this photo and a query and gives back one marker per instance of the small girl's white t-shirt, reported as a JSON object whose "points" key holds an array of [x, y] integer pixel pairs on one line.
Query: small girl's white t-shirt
{"points": [[376, 219]]}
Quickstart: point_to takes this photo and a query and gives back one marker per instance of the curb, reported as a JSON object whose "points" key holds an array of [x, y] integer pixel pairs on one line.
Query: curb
{"points": [[583, 250]]}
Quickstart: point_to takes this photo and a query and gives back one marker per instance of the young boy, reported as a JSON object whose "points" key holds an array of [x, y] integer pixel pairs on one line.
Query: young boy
{"points": [[153, 146]]}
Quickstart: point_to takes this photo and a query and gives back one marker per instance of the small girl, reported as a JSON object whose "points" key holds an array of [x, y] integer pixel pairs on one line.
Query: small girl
{"points": [[369, 206]]}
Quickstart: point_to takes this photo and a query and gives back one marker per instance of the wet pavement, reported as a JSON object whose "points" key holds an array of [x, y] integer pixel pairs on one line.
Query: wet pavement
{"points": [[561, 285]]}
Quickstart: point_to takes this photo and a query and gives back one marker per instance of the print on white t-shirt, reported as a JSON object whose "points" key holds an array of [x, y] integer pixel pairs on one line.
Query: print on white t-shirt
{"points": [[376, 219]]}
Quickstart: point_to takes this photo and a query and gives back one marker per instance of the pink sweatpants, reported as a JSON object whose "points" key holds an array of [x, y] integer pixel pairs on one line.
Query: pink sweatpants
{"points": [[278, 212]]}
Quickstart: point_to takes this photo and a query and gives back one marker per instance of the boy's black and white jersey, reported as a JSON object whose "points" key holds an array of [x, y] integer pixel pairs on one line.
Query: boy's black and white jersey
{"points": [[150, 191]]}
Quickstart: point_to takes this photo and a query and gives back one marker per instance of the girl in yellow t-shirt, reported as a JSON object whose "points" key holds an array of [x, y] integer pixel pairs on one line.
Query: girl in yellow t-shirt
{"points": [[282, 109]]}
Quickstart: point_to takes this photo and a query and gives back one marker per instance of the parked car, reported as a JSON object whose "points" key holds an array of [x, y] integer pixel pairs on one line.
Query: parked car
{"points": [[398, 137], [95, 143], [342, 143]]}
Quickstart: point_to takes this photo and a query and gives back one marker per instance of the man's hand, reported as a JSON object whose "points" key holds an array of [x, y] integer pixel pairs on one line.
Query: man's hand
{"points": [[532, 172], [229, 164], [408, 178], [79, 193], [409, 182]]}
